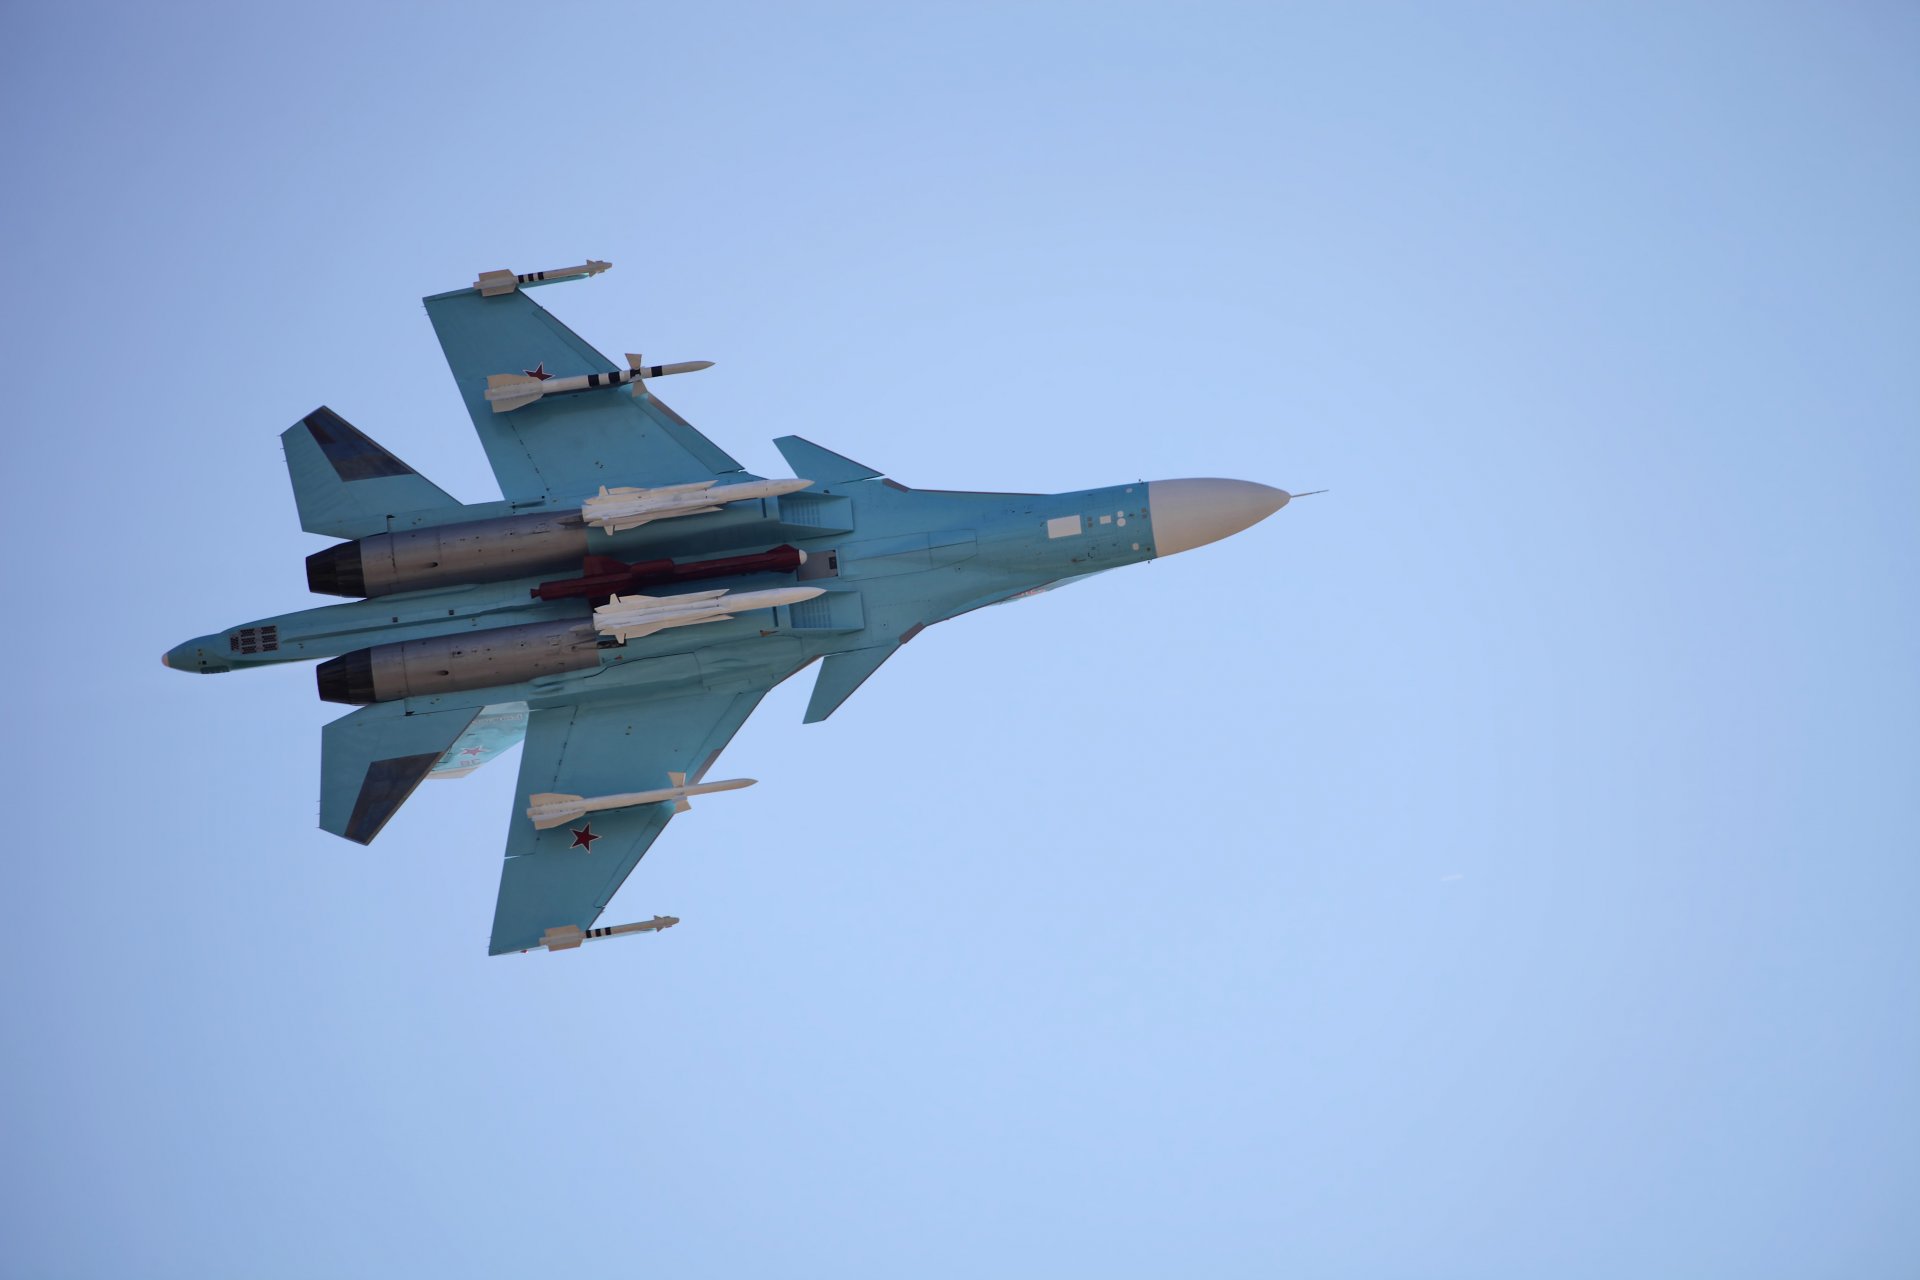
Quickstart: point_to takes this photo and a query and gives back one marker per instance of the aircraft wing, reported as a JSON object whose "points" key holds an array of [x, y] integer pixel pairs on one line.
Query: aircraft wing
{"points": [[606, 746], [563, 448]]}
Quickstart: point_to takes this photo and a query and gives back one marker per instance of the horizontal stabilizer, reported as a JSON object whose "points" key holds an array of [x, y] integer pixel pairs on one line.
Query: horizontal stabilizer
{"points": [[345, 485], [371, 761], [842, 673], [825, 466]]}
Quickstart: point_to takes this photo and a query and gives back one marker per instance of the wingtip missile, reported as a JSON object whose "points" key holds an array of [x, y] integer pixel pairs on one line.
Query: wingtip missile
{"points": [[567, 937], [492, 284]]}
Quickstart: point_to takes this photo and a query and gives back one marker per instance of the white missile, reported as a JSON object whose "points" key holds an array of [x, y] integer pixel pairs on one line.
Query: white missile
{"points": [[567, 937], [509, 391], [617, 509], [549, 810], [492, 284], [630, 617]]}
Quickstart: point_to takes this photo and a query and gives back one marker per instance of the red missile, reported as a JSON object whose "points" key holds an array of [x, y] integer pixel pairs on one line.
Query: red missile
{"points": [[603, 576]]}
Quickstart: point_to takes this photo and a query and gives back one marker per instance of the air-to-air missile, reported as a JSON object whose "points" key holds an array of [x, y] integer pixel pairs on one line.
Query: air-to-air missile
{"points": [[627, 618], [492, 284], [547, 809], [567, 937], [629, 508], [508, 391]]}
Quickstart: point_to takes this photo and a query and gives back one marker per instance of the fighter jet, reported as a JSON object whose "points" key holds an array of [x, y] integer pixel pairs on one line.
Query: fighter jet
{"points": [[630, 599]]}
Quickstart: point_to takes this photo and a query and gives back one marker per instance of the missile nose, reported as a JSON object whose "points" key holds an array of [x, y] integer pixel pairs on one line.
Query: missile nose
{"points": [[1191, 513]]}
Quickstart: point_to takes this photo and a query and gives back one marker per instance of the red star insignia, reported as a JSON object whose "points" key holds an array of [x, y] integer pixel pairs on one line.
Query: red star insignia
{"points": [[474, 751], [583, 838], [538, 371]]}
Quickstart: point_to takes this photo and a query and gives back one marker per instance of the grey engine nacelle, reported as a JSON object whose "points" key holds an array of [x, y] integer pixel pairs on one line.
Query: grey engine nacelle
{"points": [[448, 555], [449, 664]]}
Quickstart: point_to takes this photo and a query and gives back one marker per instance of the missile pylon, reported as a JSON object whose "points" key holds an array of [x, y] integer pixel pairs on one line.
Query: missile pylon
{"points": [[492, 284], [547, 809], [629, 508], [509, 391], [630, 617], [567, 937]]}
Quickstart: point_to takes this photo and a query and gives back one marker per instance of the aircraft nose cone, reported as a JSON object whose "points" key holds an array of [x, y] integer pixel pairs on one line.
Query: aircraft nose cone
{"points": [[166, 661], [1191, 513]]}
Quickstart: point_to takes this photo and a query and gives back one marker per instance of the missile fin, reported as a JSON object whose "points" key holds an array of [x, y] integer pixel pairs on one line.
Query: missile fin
{"points": [[544, 799], [503, 399], [492, 284]]}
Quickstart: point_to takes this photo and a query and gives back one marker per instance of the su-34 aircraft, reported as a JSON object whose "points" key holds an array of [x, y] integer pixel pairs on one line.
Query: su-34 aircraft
{"points": [[630, 599]]}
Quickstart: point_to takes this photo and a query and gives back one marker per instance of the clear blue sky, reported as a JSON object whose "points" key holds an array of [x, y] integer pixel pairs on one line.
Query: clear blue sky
{"points": [[1504, 866]]}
